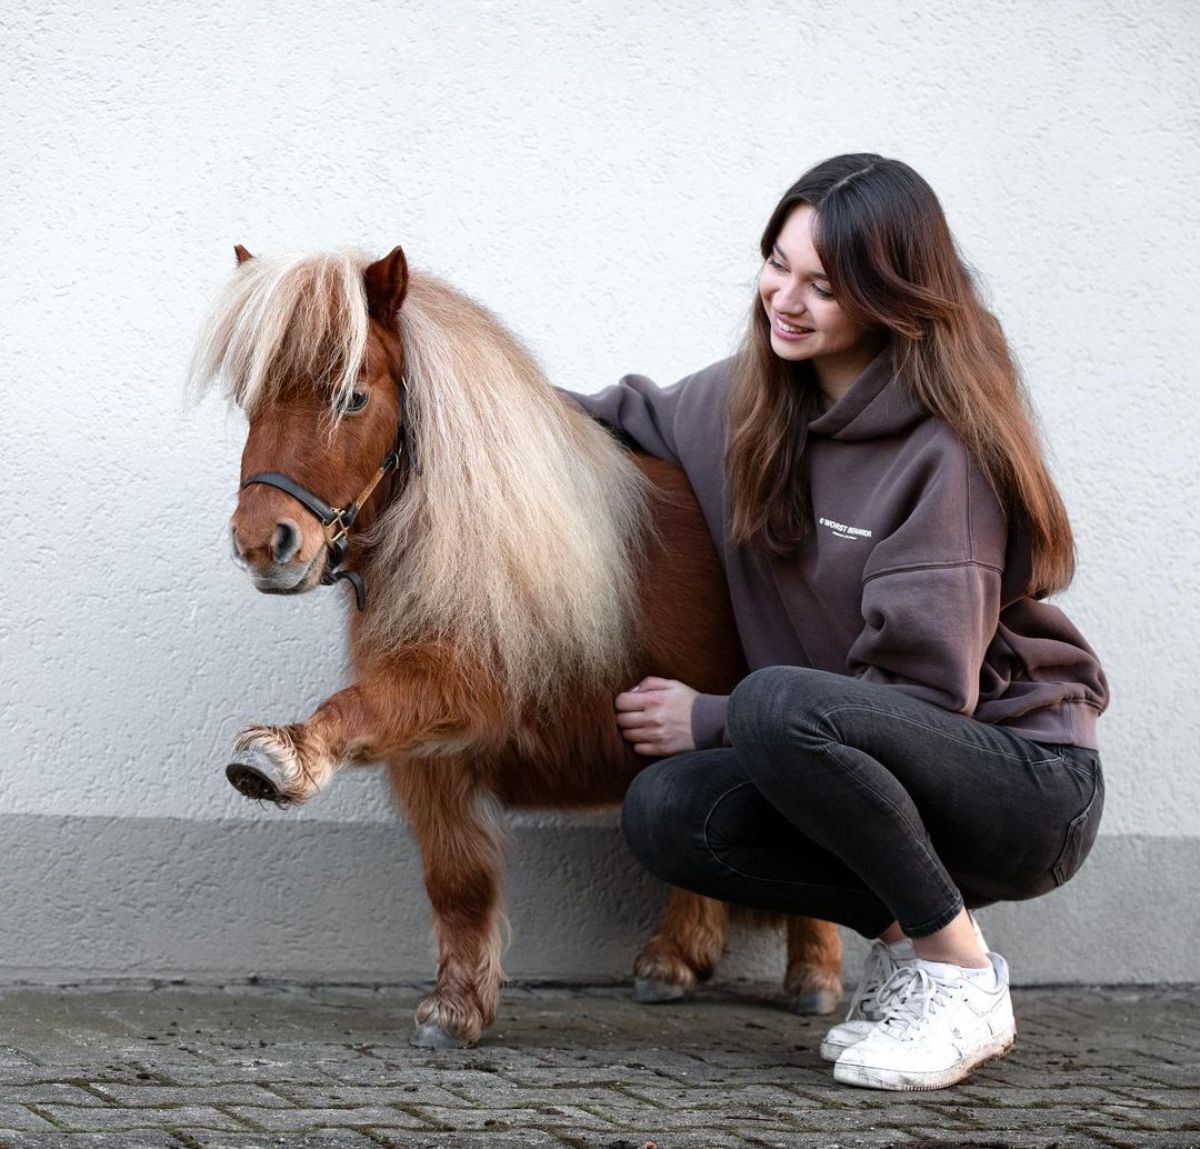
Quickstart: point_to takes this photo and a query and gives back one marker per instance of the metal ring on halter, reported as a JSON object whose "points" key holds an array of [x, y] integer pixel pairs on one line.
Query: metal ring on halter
{"points": [[337, 540]]}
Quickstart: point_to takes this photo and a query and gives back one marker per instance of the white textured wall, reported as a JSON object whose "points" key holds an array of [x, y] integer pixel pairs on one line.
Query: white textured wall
{"points": [[598, 173]]}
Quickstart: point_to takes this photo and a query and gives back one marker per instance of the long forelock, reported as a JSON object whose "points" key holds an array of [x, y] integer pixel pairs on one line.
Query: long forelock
{"points": [[283, 320]]}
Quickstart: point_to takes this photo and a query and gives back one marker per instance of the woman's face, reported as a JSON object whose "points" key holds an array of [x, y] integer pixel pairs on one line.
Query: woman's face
{"points": [[806, 321]]}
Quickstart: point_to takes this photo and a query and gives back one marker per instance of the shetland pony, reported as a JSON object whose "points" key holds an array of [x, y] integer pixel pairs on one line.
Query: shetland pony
{"points": [[516, 566]]}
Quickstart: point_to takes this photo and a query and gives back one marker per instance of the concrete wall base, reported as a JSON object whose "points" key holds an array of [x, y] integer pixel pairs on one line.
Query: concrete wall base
{"points": [[98, 898]]}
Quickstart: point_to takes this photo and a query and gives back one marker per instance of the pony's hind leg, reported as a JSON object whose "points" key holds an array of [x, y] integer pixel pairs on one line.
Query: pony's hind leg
{"points": [[683, 950], [813, 981], [459, 827]]}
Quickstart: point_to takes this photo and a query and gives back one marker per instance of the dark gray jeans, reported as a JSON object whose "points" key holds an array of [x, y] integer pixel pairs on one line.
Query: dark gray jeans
{"points": [[855, 803]]}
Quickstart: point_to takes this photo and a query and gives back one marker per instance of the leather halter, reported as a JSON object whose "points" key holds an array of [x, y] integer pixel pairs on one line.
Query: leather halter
{"points": [[337, 521]]}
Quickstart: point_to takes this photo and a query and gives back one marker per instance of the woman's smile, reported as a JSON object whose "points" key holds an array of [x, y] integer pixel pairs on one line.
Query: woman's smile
{"points": [[792, 332]]}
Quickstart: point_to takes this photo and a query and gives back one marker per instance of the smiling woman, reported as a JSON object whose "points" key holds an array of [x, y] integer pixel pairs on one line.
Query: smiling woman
{"points": [[806, 321], [918, 734]]}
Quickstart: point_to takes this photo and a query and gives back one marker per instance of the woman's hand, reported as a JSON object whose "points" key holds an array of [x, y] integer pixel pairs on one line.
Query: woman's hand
{"points": [[656, 716]]}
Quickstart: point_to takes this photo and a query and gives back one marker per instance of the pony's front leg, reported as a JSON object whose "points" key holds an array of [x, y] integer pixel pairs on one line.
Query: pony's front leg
{"points": [[459, 825], [280, 764], [368, 722]]}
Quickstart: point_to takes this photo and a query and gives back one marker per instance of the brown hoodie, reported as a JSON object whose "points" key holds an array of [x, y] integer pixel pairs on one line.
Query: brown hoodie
{"points": [[911, 577]]}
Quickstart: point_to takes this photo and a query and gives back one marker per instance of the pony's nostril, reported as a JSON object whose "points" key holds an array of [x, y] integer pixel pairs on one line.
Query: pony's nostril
{"points": [[286, 541], [238, 556]]}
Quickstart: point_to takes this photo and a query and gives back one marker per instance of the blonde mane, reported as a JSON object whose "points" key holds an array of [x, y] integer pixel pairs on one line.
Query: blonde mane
{"points": [[518, 540], [284, 319]]}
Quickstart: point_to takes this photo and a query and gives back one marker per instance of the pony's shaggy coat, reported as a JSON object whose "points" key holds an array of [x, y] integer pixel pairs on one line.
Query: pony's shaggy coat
{"points": [[521, 572], [501, 463]]}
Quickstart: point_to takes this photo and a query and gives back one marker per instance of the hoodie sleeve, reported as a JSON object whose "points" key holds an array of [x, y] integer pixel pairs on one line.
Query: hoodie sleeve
{"points": [[636, 407], [926, 632], [708, 721], [931, 591]]}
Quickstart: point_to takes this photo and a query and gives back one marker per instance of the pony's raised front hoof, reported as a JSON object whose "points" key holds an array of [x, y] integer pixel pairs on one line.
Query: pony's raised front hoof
{"points": [[431, 1036], [818, 1002], [649, 991], [256, 776]]}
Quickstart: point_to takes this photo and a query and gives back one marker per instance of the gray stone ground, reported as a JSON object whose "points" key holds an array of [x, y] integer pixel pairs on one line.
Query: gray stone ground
{"points": [[244, 1066]]}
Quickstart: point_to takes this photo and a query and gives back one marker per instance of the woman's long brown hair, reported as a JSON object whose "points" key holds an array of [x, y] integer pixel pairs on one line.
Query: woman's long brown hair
{"points": [[892, 263]]}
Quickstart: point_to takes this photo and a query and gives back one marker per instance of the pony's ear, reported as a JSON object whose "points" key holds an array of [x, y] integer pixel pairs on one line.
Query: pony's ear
{"points": [[387, 281], [242, 254]]}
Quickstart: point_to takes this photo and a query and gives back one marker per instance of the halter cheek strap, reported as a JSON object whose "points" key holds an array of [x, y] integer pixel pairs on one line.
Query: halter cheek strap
{"points": [[335, 521]]}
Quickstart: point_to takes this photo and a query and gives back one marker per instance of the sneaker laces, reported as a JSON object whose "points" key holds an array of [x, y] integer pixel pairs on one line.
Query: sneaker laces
{"points": [[880, 965], [911, 995]]}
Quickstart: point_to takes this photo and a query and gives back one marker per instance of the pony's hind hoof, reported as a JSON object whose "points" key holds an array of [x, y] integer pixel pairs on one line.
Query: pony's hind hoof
{"points": [[649, 991], [430, 1036], [255, 777], [816, 1002]]}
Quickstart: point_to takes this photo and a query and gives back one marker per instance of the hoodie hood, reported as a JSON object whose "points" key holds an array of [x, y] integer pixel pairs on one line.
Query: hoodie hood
{"points": [[878, 403]]}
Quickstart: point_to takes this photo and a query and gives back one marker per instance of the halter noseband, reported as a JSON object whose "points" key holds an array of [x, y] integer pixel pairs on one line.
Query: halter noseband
{"points": [[336, 521]]}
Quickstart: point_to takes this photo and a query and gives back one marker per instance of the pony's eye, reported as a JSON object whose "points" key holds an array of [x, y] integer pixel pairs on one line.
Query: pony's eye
{"points": [[358, 400]]}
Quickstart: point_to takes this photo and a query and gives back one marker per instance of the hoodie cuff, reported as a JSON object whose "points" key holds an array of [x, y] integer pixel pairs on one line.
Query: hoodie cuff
{"points": [[708, 720]]}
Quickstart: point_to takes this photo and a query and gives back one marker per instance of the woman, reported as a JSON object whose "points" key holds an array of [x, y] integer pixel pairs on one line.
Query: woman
{"points": [[918, 735]]}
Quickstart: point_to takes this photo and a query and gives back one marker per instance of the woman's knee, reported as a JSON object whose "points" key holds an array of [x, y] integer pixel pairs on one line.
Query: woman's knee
{"points": [[664, 811], [774, 701]]}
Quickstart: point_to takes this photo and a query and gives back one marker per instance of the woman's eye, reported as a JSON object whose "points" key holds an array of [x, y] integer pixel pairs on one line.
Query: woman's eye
{"points": [[775, 263], [822, 292], [358, 400]]}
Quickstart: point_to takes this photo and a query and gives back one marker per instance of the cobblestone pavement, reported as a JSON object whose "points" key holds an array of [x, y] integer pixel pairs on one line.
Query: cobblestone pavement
{"points": [[244, 1066]]}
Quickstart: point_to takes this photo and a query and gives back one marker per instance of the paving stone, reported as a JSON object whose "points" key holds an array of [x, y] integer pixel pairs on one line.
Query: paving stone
{"points": [[99, 1119], [142, 1139], [617, 1077], [695, 1137], [152, 1095], [1144, 1140], [1010, 1139], [519, 1096], [1171, 1098], [520, 1139], [459, 1120], [47, 1092], [1172, 1076], [273, 1072], [904, 1111], [657, 1124], [320, 1139], [1044, 1117], [18, 1117], [1004, 1096], [335, 1095], [1185, 1120], [752, 1096], [300, 1119]]}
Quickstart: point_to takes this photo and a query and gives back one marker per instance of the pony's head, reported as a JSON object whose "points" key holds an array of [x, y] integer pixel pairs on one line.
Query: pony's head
{"points": [[309, 348], [515, 534]]}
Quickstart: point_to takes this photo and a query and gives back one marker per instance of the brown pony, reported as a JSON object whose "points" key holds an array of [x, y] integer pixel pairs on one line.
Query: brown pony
{"points": [[520, 568]]}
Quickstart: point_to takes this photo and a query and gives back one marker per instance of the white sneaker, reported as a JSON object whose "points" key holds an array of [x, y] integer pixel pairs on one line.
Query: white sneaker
{"points": [[882, 961], [939, 1023]]}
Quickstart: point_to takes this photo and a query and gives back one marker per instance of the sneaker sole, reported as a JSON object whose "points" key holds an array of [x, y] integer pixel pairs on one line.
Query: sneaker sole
{"points": [[868, 1078], [832, 1050]]}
